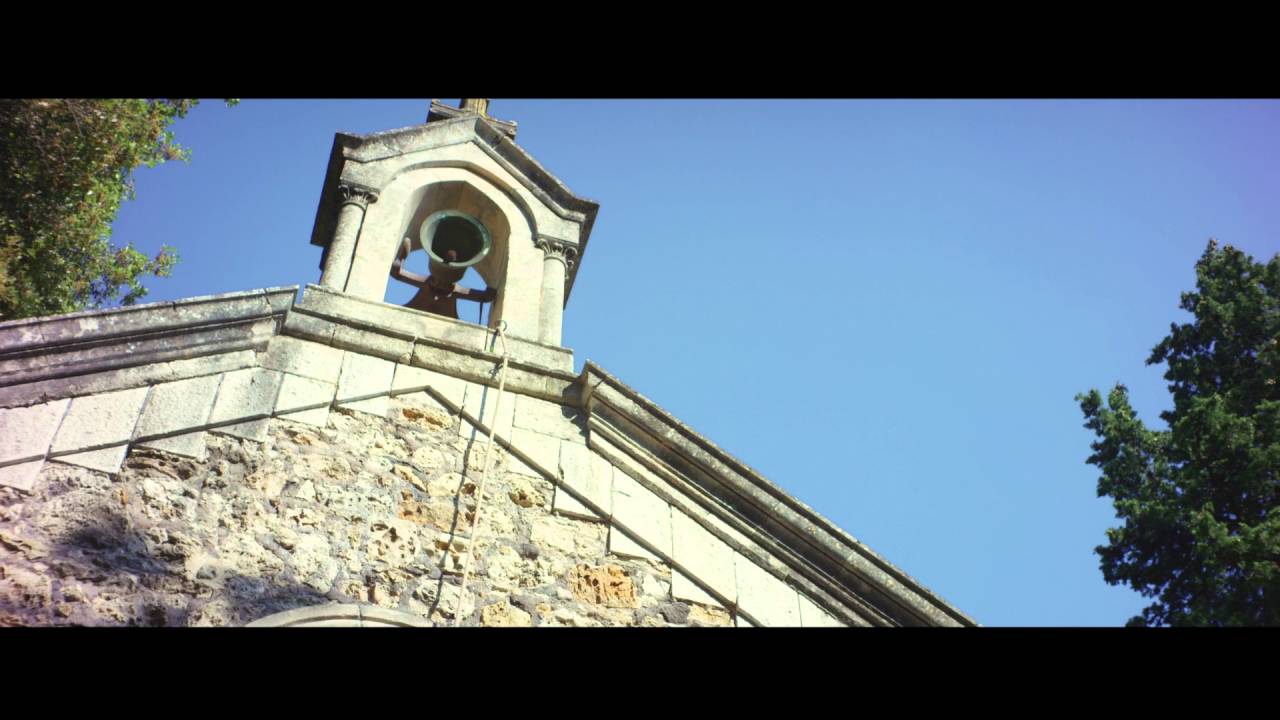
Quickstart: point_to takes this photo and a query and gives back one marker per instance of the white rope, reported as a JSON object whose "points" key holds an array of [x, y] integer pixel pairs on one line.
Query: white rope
{"points": [[484, 475]]}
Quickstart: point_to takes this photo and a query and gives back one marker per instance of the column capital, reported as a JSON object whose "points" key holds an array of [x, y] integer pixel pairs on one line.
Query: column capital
{"points": [[557, 249], [357, 194]]}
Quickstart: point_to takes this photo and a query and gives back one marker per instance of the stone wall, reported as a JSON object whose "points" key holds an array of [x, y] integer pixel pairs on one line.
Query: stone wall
{"points": [[371, 509]]}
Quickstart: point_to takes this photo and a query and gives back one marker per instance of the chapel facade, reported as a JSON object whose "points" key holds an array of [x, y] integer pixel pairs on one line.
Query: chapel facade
{"points": [[315, 456]]}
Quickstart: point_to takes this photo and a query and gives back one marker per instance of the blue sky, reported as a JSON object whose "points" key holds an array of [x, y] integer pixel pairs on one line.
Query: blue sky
{"points": [[886, 307]]}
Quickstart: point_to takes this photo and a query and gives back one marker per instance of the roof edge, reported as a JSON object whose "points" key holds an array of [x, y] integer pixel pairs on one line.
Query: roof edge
{"points": [[802, 529]]}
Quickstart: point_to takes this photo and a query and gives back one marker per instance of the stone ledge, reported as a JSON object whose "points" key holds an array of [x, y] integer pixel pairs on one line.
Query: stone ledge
{"points": [[396, 322], [38, 334], [125, 377], [83, 358], [795, 529]]}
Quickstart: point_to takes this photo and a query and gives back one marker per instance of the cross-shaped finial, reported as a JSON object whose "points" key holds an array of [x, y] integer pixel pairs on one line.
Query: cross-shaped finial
{"points": [[470, 107], [479, 106]]}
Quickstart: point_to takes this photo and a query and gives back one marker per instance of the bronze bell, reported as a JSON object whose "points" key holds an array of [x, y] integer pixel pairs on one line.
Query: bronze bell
{"points": [[455, 241]]}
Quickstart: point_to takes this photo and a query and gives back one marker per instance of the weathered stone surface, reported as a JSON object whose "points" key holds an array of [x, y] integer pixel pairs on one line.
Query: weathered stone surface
{"points": [[17, 334], [482, 403], [421, 411], [304, 400], [190, 445], [603, 585], [412, 379], [249, 394], [376, 344], [20, 475], [683, 588], [813, 616], [60, 363], [175, 406], [639, 510], [96, 421], [567, 537], [765, 597], [560, 421], [704, 616], [27, 432], [365, 383], [541, 449], [344, 309], [302, 357], [500, 614], [529, 492], [705, 556], [621, 543], [309, 327], [246, 394], [589, 475], [106, 459], [676, 613]]}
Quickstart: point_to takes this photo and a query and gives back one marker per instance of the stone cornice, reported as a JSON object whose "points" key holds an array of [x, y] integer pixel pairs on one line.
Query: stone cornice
{"points": [[825, 550], [51, 357]]}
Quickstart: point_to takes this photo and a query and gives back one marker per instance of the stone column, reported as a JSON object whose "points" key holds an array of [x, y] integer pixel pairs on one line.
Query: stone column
{"points": [[342, 247], [558, 257]]}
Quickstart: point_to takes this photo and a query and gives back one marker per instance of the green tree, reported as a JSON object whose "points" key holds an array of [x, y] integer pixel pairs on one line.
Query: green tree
{"points": [[67, 164], [1200, 501]]}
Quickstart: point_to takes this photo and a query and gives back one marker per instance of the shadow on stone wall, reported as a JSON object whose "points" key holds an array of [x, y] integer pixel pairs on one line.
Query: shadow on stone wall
{"points": [[124, 578]]}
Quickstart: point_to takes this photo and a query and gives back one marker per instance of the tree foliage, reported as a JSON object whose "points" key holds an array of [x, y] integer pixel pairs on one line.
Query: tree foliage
{"points": [[66, 166], [1200, 500]]}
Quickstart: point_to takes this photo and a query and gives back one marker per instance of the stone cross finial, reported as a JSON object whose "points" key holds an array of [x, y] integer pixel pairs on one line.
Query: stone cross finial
{"points": [[479, 106]]}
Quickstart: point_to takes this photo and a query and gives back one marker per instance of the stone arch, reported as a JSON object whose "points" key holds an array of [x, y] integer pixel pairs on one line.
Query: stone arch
{"points": [[341, 615], [514, 265]]}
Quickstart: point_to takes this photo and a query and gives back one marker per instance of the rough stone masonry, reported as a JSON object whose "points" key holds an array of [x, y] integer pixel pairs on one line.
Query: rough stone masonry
{"points": [[369, 509]]}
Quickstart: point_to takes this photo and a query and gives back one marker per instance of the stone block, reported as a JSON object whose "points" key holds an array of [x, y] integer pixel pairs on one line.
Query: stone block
{"points": [[247, 394], [481, 402], [281, 297], [412, 379], [21, 475], [26, 432], [105, 460], [190, 445], [566, 504], [589, 475], [683, 588], [176, 406], [305, 400], [310, 327], [303, 357], [255, 430], [704, 555], [542, 450], [97, 421], [813, 616], [764, 596], [621, 544], [561, 421], [368, 342], [639, 510], [365, 383]]}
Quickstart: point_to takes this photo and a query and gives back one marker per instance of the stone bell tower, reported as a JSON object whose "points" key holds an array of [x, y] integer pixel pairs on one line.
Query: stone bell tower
{"points": [[383, 188]]}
